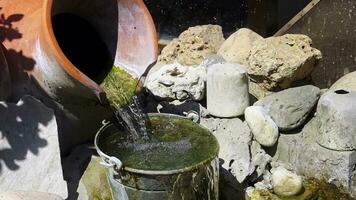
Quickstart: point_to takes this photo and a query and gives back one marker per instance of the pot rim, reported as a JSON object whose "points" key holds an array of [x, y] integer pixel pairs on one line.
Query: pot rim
{"points": [[50, 40], [157, 172]]}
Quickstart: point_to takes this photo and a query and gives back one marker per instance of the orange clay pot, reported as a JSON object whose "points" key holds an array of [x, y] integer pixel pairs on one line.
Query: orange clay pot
{"points": [[39, 66]]}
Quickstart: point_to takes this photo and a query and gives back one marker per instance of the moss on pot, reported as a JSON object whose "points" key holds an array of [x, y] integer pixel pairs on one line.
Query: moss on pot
{"points": [[119, 86]]}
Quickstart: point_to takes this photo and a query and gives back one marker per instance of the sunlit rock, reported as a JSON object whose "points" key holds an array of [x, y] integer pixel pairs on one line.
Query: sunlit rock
{"points": [[264, 129], [234, 138], [347, 82], [336, 114], [175, 81], [290, 108], [193, 45], [285, 182], [237, 47], [276, 62], [29, 148], [227, 90], [28, 195]]}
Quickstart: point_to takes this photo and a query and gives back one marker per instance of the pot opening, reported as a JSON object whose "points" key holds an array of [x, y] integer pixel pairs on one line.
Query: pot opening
{"points": [[87, 34]]}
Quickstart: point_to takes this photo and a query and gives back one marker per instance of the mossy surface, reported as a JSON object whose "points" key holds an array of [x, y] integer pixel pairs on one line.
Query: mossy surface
{"points": [[175, 144], [314, 189], [95, 181], [119, 86]]}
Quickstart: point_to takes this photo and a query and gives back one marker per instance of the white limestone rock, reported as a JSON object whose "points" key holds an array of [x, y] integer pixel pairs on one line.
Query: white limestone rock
{"points": [[227, 90], [276, 62], [175, 81], [347, 82], [264, 129], [212, 60], [336, 114], [29, 148], [259, 160], [237, 47], [234, 138], [285, 182], [305, 156], [193, 45]]}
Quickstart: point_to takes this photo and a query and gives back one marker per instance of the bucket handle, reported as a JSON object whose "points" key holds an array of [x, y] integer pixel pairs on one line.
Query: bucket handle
{"points": [[107, 161], [111, 162]]}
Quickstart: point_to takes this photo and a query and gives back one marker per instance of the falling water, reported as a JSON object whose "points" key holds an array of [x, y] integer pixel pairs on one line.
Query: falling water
{"points": [[133, 119]]}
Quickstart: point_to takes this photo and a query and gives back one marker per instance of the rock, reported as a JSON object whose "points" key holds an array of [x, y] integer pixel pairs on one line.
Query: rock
{"points": [[259, 194], [24, 195], [94, 183], [276, 62], [258, 91], [259, 159], [175, 81], [290, 108], [266, 183], [29, 148], [179, 108], [212, 60], [193, 45], [234, 138], [347, 82], [285, 182], [306, 157], [227, 90], [263, 128], [236, 48], [336, 114], [85, 176]]}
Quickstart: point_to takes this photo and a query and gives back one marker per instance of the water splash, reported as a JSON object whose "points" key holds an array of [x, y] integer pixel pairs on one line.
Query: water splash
{"points": [[133, 119]]}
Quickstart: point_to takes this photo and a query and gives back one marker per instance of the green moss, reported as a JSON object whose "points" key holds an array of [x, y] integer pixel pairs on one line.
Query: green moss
{"points": [[95, 181], [119, 86], [176, 143], [314, 189]]}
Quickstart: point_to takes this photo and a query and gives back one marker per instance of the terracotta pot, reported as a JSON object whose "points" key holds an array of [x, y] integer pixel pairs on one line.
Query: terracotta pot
{"points": [[5, 83], [42, 65]]}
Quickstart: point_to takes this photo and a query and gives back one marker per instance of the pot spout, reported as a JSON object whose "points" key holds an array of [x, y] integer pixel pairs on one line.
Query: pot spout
{"points": [[61, 50]]}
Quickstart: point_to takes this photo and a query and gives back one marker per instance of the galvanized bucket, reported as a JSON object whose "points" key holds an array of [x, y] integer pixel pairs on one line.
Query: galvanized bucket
{"points": [[192, 182]]}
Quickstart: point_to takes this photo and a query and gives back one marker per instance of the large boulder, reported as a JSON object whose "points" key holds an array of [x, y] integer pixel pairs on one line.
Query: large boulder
{"points": [[227, 90], [276, 62], [237, 47], [234, 138], [290, 108], [336, 114], [306, 157], [29, 148], [193, 45], [264, 129], [175, 81], [347, 82]]}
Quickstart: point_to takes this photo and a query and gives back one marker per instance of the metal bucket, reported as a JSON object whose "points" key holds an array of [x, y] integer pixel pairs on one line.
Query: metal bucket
{"points": [[192, 182]]}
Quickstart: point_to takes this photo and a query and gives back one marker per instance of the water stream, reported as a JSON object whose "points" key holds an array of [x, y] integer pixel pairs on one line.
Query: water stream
{"points": [[132, 118]]}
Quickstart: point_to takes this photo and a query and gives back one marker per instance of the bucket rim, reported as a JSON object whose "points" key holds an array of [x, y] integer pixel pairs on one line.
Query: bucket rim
{"points": [[157, 172]]}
